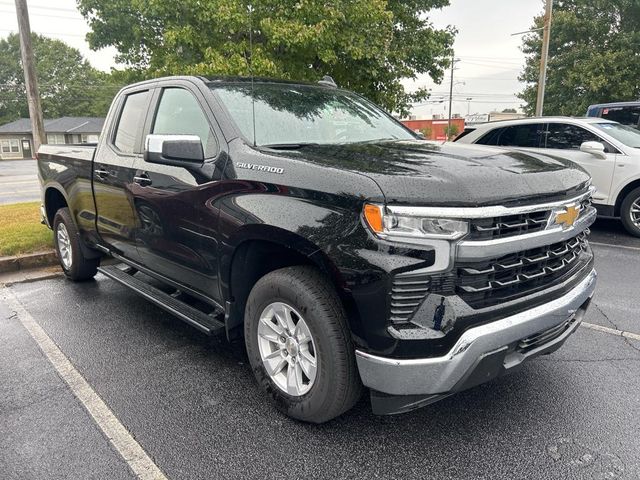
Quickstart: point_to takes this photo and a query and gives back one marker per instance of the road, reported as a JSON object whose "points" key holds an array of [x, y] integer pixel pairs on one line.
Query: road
{"points": [[191, 403], [18, 181]]}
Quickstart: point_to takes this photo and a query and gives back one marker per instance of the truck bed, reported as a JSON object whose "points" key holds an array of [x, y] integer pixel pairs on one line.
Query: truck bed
{"points": [[83, 151]]}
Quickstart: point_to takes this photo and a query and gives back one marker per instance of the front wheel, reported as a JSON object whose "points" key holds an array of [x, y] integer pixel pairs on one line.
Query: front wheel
{"points": [[630, 212], [67, 241], [299, 346]]}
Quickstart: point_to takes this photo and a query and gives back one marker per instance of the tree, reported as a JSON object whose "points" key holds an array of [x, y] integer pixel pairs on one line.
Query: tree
{"points": [[594, 44], [69, 85], [451, 131], [365, 45], [509, 110]]}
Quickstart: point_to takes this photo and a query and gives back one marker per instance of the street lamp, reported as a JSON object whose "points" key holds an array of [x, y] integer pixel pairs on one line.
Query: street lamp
{"points": [[469, 105]]}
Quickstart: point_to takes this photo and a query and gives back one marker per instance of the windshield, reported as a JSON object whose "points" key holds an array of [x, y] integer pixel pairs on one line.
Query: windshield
{"points": [[624, 134], [298, 114]]}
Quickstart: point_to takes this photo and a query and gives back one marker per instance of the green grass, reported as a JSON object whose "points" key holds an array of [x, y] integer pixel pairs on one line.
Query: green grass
{"points": [[21, 230]]}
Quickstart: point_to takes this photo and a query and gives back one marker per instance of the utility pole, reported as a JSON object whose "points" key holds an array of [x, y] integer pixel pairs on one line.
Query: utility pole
{"points": [[30, 79], [453, 64], [469, 105], [544, 55]]}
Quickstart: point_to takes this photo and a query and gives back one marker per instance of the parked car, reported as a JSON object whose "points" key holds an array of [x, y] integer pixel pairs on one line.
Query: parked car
{"points": [[340, 248], [609, 151], [626, 113]]}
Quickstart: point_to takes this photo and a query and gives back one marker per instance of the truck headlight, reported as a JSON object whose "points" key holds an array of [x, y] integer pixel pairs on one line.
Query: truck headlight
{"points": [[408, 225]]}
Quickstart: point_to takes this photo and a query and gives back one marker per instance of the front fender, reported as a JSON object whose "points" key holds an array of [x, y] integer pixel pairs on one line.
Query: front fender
{"points": [[324, 233], [328, 233]]}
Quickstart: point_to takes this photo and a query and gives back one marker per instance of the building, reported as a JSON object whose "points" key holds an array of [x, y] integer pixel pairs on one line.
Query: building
{"points": [[16, 139], [435, 129], [479, 118], [498, 116]]}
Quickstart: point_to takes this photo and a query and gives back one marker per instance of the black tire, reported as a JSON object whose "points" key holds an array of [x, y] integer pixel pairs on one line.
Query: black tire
{"points": [[337, 386], [80, 267], [627, 216]]}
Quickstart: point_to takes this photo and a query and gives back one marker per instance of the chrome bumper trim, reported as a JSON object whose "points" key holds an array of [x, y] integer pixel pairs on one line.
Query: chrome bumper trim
{"points": [[439, 375], [473, 251]]}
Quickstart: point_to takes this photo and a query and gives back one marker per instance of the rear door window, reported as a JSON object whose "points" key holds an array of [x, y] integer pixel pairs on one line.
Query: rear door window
{"points": [[130, 121], [491, 138], [525, 135]]}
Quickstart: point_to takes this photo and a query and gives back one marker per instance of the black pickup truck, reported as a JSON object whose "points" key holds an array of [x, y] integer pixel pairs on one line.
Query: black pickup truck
{"points": [[344, 250]]}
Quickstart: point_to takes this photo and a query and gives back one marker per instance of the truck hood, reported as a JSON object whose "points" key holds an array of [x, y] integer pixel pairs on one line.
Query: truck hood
{"points": [[426, 173]]}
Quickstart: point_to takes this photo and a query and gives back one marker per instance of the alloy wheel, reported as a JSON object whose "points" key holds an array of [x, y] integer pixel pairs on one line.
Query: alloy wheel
{"points": [[64, 246], [287, 349], [634, 212]]}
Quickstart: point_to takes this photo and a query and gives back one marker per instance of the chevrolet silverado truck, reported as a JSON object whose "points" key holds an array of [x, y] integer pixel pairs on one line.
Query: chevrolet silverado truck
{"points": [[342, 249]]}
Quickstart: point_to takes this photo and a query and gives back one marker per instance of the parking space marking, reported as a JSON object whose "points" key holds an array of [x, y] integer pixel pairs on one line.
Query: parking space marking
{"points": [[624, 247], [139, 462], [611, 331]]}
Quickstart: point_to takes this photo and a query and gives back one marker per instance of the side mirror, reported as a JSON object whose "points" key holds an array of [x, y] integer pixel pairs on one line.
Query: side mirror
{"points": [[594, 148], [176, 150]]}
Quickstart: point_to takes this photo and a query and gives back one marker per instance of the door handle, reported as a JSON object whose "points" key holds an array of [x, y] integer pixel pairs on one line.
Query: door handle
{"points": [[101, 173], [142, 180]]}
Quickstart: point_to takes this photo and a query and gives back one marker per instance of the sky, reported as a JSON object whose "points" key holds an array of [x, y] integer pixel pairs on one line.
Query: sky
{"points": [[489, 56]]}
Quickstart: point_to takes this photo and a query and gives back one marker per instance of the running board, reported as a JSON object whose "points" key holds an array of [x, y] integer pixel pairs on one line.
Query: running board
{"points": [[185, 312]]}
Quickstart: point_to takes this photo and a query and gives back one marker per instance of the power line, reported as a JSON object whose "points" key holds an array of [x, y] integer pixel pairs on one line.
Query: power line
{"points": [[47, 15], [44, 7], [10, 30], [488, 58]]}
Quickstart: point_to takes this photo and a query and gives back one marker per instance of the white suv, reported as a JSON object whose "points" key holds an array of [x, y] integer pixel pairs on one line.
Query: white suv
{"points": [[609, 151]]}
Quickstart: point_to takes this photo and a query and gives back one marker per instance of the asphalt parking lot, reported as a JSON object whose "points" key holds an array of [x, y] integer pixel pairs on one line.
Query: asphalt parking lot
{"points": [[191, 403]]}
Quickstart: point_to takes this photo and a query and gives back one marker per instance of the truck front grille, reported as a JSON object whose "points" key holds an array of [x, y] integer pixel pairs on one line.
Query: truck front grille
{"points": [[483, 284], [512, 225]]}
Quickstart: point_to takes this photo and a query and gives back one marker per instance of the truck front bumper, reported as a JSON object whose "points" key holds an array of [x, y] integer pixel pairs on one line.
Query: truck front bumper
{"points": [[481, 353]]}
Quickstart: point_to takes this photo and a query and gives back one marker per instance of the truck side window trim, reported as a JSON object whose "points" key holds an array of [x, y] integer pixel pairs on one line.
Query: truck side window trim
{"points": [[212, 145], [136, 148]]}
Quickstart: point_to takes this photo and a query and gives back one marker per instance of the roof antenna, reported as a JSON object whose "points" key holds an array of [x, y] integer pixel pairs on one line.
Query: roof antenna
{"points": [[253, 97]]}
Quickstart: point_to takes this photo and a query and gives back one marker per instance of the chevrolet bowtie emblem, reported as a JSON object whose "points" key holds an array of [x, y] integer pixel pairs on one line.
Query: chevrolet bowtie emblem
{"points": [[567, 216]]}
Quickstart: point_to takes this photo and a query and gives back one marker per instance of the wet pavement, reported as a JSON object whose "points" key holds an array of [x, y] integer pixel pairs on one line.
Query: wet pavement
{"points": [[192, 404]]}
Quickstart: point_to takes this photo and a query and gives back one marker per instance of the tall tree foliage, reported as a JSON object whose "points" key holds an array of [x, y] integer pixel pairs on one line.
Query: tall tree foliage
{"points": [[366, 45], [593, 56], [69, 85]]}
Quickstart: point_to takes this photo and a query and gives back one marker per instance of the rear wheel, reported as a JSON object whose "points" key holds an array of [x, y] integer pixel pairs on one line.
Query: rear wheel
{"points": [[630, 212], [299, 346], [67, 241]]}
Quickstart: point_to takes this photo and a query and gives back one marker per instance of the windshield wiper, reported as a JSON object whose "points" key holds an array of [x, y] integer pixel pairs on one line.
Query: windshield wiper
{"points": [[288, 146]]}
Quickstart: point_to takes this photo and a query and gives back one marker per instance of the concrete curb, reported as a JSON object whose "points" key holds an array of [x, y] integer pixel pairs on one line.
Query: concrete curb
{"points": [[24, 262]]}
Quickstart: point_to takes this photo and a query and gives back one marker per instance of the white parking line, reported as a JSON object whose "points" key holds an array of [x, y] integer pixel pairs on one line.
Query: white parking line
{"points": [[130, 450], [624, 247], [611, 331]]}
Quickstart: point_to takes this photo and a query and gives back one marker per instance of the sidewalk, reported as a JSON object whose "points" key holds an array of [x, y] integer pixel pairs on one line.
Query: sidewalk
{"points": [[30, 275]]}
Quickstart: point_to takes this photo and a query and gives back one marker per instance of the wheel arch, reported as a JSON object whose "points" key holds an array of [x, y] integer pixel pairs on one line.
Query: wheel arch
{"points": [[54, 200], [261, 249], [632, 185]]}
